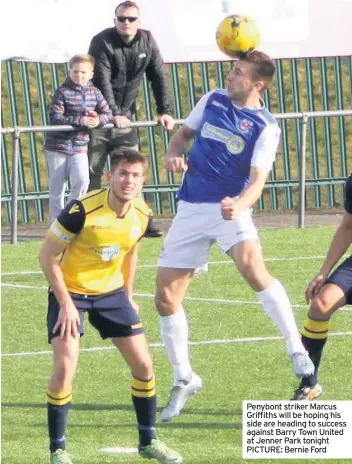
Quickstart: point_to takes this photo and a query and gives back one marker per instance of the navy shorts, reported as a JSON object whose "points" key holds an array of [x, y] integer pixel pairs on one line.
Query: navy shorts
{"points": [[342, 277], [110, 313]]}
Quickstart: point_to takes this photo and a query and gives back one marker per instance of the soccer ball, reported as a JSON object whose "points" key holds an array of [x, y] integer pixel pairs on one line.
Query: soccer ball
{"points": [[237, 35]]}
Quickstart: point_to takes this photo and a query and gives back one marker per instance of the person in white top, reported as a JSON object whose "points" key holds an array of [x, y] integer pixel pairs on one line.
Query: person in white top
{"points": [[235, 139]]}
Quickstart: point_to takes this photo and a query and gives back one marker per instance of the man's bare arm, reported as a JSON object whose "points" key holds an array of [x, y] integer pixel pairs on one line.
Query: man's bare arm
{"points": [[175, 161]]}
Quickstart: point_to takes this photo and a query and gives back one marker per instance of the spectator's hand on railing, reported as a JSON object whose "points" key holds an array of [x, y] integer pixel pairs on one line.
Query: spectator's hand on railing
{"points": [[90, 122], [121, 122], [166, 121]]}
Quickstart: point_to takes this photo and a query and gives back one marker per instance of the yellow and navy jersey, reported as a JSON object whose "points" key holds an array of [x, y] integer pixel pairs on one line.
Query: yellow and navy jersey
{"points": [[97, 241]]}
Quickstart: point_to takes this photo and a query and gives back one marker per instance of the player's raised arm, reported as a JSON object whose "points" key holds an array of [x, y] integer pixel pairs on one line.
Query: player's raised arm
{"points": [[179, 143], [174, 160]]}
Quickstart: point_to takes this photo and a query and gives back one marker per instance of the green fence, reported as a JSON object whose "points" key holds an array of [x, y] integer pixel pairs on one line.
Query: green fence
{"points": [[301, 85]]}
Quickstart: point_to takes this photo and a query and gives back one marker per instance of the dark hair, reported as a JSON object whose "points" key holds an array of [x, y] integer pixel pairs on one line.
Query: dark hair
{"points": [[127, 4], [81, 58], [264, 67], [126, 154]]}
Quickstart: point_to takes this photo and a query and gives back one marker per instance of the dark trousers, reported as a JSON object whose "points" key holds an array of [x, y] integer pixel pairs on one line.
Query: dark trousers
{"points": [[102, 141]]}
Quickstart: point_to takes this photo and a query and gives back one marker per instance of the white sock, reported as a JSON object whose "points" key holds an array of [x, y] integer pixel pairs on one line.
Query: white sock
{"points": [[277, 305], [174, 332]]}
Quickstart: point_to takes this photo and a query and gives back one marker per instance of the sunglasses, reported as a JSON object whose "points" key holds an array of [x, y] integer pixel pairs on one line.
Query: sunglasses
{"points": [[130, 19]]}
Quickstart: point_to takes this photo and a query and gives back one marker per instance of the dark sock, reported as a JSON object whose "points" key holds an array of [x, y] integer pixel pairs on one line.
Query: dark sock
{"points": [[144, 401], [314, 337], [58, 405]]}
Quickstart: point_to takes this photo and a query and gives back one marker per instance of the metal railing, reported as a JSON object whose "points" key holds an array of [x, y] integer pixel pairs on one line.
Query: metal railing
{"points": [[303, 117]]}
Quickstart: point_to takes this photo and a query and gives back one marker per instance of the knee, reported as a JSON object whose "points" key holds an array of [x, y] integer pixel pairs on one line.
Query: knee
{"points": [[143, 369], [249, 262], [164, 303], [320, 307], [63, 373], [255, 272]]}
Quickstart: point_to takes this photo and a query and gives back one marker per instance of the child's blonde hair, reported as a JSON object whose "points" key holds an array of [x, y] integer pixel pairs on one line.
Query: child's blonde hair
{"points": [[81, 58]]}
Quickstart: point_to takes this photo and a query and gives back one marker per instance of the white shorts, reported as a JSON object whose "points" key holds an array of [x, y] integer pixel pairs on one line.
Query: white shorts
{"points": [[196, 227]]}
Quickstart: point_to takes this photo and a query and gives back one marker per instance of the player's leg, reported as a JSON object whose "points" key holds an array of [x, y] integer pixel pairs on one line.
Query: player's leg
{"points": [[78, 170], [239, 239], [335, 293], [135, 351], [248, 258], [315, 335], [59, 392], [114, 317], [57, 167], [185, 248], [171, 288]]}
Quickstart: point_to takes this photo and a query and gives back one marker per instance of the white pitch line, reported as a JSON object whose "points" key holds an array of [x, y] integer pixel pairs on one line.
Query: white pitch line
{"points": [[148, 266], [160, 345], [188, 298], [23, 286]]}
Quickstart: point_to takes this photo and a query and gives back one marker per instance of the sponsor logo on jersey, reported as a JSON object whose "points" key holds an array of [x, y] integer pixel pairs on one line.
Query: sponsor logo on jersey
{"points": [[95, 227], [220, 105], [234, 143], [107, 253], [245, 124]]}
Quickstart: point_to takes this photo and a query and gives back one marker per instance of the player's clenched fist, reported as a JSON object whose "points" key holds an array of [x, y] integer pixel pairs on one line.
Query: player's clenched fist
{"points": [[175, 163], [228, 208]]}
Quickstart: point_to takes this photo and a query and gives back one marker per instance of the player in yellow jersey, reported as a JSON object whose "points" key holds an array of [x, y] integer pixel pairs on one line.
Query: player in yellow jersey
{"points": [[97, 237]]}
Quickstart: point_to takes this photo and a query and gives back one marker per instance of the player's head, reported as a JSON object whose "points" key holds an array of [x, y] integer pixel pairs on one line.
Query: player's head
{"points": [[81, 69], [127, 174], [127, 19], [250, 76]]}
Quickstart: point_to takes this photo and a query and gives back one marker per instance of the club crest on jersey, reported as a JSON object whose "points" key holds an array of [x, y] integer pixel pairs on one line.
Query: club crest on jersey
{"points": [[245, 124], [235, 145]]}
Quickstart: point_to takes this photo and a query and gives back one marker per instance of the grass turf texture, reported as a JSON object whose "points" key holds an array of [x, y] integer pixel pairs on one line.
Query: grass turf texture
{"points": [[210, 430]]}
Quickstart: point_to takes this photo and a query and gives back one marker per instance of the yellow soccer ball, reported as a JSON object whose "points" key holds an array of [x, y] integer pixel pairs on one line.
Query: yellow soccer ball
{"points": [[237, 35]]}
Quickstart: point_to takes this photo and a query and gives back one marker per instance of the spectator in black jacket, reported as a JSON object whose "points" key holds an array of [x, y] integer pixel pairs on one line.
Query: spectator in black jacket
{"points": [[122, 55]]}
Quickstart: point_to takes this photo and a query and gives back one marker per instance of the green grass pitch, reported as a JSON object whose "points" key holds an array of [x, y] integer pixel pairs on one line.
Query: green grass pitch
{"points": [[222, 311]]}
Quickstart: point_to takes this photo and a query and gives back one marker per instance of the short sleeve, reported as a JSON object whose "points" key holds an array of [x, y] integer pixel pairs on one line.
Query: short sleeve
{"points": [[69, 223], [194, 119], [265, 147]]}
